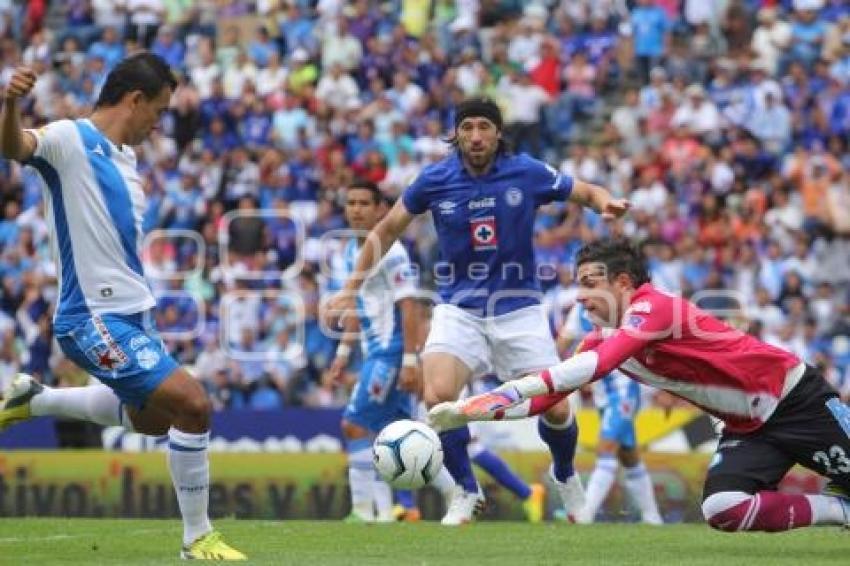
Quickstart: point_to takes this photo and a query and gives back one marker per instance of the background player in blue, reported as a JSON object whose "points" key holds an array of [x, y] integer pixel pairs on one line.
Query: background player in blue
{"points": [[390, 375], [483, 199], [94, 200], [618, 399]]}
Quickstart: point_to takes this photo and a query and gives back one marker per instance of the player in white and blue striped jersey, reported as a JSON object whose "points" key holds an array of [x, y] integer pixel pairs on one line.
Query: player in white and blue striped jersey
{"points": [[389, 378], [94, 202]]}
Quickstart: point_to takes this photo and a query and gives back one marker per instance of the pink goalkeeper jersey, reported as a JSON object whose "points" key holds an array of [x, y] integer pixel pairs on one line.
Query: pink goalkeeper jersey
{"points": [[669, 343]]}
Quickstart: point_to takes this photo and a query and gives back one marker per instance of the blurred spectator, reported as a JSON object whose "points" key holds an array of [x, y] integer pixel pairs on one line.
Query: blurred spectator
{"points": [[698, 114], [145, 18], [650, 28], [771, 38], [340, 46], [169, 47], [771, 124], [525, 101], [337, 89], [808, 32]]}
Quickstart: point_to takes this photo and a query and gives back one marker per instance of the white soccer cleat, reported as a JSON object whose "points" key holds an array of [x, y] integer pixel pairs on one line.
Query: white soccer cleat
{"points": [[572, 496], [843, 497], [653, 518], [582, 517], [446, 416], [463, 508]]}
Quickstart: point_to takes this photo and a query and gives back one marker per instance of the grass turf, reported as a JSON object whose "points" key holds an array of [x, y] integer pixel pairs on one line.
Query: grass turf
{"points": [[314, 543]]}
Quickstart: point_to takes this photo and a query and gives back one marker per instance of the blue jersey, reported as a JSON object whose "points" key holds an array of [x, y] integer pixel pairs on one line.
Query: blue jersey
{"points": [[485, 228]]}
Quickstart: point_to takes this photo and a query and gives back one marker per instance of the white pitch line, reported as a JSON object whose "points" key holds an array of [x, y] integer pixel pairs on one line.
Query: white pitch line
{"points": [[65, 537]]}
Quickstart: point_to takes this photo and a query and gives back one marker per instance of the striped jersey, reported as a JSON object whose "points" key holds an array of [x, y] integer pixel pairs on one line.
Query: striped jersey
{"points": [[94, 204], [380, 318]]}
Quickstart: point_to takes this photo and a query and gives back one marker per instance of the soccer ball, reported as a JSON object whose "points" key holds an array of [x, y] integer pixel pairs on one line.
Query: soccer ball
{"points": [[408, 454]]}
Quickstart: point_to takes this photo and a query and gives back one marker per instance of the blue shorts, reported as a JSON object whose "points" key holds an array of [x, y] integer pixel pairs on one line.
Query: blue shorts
{"points": [[122, 351], [375, 400], [618, 422]]}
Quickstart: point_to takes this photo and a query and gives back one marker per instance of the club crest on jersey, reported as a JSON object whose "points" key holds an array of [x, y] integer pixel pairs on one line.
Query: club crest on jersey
{"points": [[104, 357], [138, 341], [483, 232], [405, 274], [513, 196], [635, 321], [147, 358]]}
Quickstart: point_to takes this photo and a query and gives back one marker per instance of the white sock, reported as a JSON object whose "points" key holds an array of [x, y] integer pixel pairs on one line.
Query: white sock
{"points": [[188, 460], [94, 403], [361, 472], [639, 486], [445, 483], [827, 510], [599, 484], [383, 495]]}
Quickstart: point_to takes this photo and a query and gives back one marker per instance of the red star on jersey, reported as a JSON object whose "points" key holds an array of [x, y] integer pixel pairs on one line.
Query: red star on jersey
{"points": [[104, 360]]}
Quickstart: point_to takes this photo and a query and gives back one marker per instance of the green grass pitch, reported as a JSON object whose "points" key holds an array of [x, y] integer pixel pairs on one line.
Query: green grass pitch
{"points": [[315, 543]]}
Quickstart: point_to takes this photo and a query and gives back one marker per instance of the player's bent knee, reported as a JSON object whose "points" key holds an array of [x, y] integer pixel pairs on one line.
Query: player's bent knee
{"points": [[149, 421], [200, 407], [435, 393], [559, 412], [727, 510], [194, 413]]}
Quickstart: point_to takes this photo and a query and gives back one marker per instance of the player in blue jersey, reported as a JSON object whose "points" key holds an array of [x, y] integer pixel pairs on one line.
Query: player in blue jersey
{"points": [[95, 202], [618, 399], [390, 377], [483, 199]]}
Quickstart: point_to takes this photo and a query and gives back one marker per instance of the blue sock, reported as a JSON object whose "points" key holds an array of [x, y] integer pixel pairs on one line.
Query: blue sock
{"points": [[562, 444], [500, 471], [404, 497], [456, 457]]}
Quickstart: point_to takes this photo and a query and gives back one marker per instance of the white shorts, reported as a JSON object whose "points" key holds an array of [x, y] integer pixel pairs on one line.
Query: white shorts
{"points": [[509, 345]]}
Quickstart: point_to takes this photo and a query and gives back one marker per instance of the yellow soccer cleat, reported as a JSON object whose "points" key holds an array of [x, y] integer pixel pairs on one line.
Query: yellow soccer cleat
{"points": [[535, 505], [15, 406], [211, 547], [355, 518]]}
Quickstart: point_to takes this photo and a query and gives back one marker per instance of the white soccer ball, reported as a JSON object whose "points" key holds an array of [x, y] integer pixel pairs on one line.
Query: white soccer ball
{"points": [[408, 454]]}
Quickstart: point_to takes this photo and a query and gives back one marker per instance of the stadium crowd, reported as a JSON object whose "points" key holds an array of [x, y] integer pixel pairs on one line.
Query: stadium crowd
{"points": [[725, 122]]}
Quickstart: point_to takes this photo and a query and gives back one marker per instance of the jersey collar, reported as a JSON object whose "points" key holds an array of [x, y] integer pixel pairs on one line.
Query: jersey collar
{"points": [[640, 293]]}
